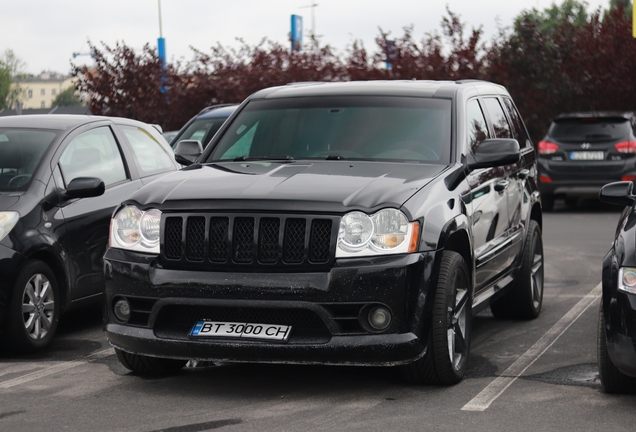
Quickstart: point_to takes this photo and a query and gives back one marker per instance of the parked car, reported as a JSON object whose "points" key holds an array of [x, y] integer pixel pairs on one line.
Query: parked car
{"points": [[61, 177], [584, 151], [169, 135], [617, 315], [358, 223], [204, 125]]}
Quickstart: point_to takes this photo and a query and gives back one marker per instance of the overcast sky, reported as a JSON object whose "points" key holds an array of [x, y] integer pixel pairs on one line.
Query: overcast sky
{"points": [[46, 33]]}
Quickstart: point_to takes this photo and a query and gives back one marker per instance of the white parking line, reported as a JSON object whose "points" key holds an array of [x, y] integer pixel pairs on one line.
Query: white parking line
{"points": [[55, 369], [488, 395]]}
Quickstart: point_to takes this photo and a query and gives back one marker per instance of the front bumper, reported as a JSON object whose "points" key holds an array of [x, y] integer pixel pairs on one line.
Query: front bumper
{"points": [[621, 337], [10, 263], [326, 310]]}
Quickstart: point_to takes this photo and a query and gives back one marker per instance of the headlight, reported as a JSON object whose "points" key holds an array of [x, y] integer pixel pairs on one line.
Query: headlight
{"points": [[386, 232], [8, 220], [627, 279], [135, 229]]}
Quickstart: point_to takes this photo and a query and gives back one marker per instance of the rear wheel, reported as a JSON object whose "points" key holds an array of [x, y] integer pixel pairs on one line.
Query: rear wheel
{"points": [[449, 341], [524, 300], [34, 309], [612, 379], [145, 365]]}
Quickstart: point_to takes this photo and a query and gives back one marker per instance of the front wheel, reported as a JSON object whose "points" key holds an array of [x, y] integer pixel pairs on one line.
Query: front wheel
{"points": [[34, 309], [449, 341], [145, 365], [612, 379]]}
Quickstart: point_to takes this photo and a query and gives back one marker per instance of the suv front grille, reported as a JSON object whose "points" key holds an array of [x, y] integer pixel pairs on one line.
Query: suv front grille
{"points": [[257, 240]]}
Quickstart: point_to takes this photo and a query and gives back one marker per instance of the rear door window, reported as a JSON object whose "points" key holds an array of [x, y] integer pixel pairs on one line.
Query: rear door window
{"points": [[498, 118]]}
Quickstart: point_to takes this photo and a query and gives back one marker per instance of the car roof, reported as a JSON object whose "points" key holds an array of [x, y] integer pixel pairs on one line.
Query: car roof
{"points": [[415, 88], [217, 111], [57, 121]]}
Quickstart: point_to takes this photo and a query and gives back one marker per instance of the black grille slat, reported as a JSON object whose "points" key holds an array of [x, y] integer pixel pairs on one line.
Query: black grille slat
{"points": [[254, 240], [320, 241], [219, 244], [294, 243], [243, 239], [268, 235], [195, 238], [172, 237]]}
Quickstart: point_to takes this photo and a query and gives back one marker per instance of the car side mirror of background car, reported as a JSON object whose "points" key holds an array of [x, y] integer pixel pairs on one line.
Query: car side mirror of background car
{"points": [[188, 151], [494, 152], [85, 187], [619, 193]]}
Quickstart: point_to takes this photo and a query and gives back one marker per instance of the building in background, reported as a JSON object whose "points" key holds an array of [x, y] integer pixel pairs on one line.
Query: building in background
{"points": [[39, 92]]}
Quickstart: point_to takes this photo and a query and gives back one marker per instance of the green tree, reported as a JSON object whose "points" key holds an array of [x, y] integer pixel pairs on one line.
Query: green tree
{"points": [[572, 12], [11, 69], [67, 98]]}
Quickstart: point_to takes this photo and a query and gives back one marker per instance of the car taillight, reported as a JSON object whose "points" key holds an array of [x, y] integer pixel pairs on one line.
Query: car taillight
{"points": [[626, 146], [546, 148]]}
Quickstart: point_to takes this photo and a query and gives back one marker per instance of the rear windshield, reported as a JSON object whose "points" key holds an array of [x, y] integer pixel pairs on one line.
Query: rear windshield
{"points": [[590, 129], [20, 153], [359, 127]]}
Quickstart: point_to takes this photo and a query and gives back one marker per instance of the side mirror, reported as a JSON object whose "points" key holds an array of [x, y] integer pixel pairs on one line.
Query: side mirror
{"points": [[619, 193], [85, 187], [495, 152], [188, 151]]}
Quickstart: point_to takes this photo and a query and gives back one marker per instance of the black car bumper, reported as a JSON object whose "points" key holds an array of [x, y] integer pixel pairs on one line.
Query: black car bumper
{"points": [[581, 178], [327, 311], [10, 263], [620, 321]]}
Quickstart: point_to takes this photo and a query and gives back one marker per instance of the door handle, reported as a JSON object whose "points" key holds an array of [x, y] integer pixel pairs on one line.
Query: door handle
{"points": [[501, 185], [523, 174]]}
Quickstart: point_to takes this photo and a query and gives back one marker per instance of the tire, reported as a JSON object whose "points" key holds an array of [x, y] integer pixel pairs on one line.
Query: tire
{"points": [[449, 337], [524, 299], [33, 310], [547, 202], [612, 379], [145, 365]]}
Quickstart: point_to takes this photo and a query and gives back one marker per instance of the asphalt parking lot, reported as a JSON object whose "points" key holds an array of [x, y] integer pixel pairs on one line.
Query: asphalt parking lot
{"points": [[529, 375]]}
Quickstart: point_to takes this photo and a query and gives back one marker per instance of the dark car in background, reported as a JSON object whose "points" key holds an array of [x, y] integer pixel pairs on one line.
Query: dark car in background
{"points": [[357, 223], [204, 125], [61, 177], [617, 315], [583, 151]]}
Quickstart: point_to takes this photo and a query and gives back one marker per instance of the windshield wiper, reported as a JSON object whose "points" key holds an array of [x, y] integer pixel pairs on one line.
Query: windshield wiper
{"points": [[264, 158], [335, 157]]}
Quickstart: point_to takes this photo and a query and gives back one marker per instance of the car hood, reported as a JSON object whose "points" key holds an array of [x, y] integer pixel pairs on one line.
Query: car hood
{"points": [[320, 185], [8, 201]]}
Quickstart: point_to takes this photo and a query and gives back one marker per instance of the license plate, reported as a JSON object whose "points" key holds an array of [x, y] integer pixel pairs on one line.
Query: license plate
{"points": [[587, 155], [241, 330]]}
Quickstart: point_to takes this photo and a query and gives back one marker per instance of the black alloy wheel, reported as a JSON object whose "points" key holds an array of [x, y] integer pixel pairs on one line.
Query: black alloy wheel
{"points": [[146, 365], [449, 342], [525, 298], [34, 309], [612, 379]]}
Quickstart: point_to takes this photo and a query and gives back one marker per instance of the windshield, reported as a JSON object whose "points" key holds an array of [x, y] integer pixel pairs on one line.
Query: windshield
{"points": [[201, 130], [20, 153], [358, 127], [590, 129]]}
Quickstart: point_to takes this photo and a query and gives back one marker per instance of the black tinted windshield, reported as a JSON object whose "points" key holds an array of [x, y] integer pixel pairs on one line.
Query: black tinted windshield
{"points": [[360, 127], [590, 129], [20, 153], [201, 130]]}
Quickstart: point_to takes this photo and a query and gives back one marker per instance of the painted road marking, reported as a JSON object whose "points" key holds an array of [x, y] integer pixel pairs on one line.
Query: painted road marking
{"points": [[488, 395], [55, 369]]}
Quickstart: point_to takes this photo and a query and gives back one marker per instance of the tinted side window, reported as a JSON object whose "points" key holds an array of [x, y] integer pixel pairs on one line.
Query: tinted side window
{"points": [[498, 118], [94, 153], [519, 131], [477, 129], [150, 155]]}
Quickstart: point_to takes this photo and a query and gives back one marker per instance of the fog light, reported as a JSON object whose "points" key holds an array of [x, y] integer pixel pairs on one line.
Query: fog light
{"points": [[122, 310], [379, 318]]}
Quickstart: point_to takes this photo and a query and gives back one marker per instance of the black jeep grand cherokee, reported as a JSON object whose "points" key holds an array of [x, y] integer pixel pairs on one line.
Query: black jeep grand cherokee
{"points": [[358, 223]]}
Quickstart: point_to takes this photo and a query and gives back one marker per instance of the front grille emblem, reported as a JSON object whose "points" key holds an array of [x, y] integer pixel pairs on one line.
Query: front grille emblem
{"points": [[586, 146]]}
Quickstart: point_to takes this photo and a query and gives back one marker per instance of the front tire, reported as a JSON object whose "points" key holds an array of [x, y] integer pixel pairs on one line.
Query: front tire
{"points": [[449, 341], [145, 365], [524, 300], [34, 309], [612, 379]]}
